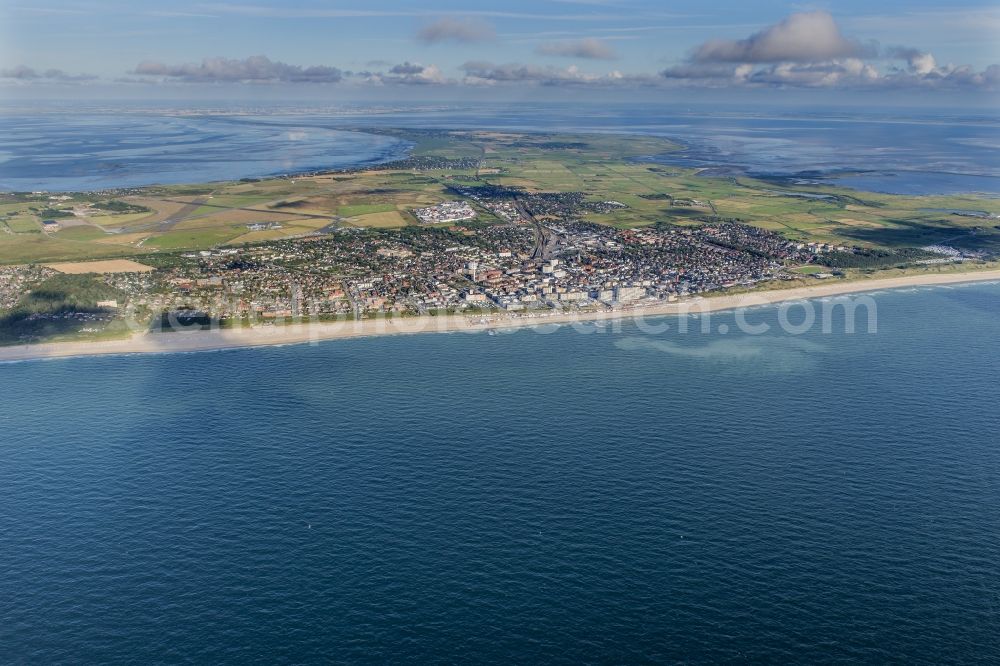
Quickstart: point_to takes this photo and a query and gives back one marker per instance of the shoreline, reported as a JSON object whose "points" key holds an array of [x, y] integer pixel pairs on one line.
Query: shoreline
{"points": [[311, 332]]}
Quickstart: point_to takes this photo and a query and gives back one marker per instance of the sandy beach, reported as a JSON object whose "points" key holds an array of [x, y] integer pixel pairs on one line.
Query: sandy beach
{"points": [[266, 335]]}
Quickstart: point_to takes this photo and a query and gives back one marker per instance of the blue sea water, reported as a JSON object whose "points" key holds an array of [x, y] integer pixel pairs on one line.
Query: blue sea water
{"points": [[88, 151], [613, 496]]}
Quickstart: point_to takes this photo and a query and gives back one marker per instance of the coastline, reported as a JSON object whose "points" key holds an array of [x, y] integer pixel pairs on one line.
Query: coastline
{"points": [[263, 336]]}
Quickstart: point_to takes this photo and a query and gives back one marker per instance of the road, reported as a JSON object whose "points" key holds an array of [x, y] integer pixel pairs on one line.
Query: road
{"points": [[545, 240], [269, 211]]}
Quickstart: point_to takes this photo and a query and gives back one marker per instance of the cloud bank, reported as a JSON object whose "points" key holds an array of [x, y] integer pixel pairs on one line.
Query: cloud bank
{"points": [[23, 73], [808, 50], [408, 73], [488, 73], [252, 69]]}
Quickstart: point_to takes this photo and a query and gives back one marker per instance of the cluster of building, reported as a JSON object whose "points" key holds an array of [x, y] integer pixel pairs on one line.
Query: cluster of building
{"points": [[445, 212], [357, 273], [949, 254], [16, 281], [497, 200], [513, 267], [513, 204]]}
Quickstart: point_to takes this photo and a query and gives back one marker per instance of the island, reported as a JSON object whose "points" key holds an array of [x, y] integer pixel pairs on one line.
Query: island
{"points": [[474, 230]]}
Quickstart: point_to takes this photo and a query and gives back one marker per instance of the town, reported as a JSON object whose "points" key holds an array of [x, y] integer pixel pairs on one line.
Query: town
{"points": [[487, 225], [473, 268]]}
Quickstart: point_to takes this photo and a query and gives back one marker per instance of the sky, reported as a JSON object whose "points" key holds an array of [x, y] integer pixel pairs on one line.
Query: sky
{"points": [[550, 49]]}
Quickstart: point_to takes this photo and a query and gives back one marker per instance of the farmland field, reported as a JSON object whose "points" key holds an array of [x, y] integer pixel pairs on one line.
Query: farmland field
{"points": [[109, 266]]}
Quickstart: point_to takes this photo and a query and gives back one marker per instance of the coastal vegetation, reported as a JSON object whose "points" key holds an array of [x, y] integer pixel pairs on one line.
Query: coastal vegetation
{"points": [[875, 257], [116, 206], [60, 305]]}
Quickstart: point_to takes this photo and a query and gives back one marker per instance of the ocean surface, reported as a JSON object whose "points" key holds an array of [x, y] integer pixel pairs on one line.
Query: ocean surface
{"points": [[613, 496], [905, 153], [89, 151]]}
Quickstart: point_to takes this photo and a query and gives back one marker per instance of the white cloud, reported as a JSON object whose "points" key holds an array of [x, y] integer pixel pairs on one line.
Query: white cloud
{"points": [[918, 61], [848, 71], [803, 37], [414, 74]]}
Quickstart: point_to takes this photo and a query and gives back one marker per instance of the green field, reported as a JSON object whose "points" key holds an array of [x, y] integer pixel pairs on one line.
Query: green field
{"points": [[23, 224], [810, 270], [364, 209], [193, 239], [81, 233], [37, 247]]}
